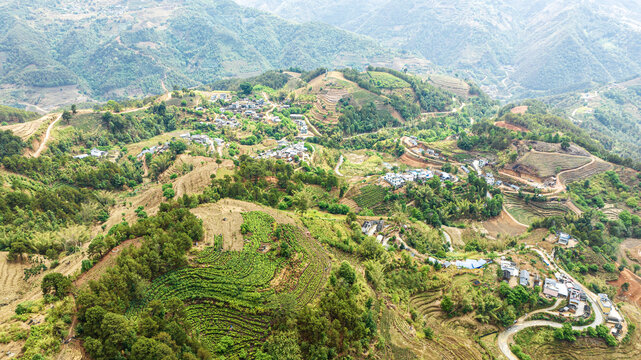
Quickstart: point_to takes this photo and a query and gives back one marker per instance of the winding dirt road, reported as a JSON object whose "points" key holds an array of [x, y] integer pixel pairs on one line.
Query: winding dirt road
{"points": [[43, 144]]}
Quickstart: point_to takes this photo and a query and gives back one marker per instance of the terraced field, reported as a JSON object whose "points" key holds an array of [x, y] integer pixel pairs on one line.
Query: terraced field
{"points": [[371, 197], [527, 213], [453, 338], [226, 292], [546, 165], [583, 173], [448, 83]]}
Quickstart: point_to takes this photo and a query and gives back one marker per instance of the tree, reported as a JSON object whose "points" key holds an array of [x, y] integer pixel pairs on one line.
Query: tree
{"points": [[55, 285], [74, 109], [66, 116], [302, 201], [97, 247], [447, 305], [246, 88], [284, 345], [18, 249], [346, 271], [625, 286], [149, 349], [565, 144], [10, 144]]}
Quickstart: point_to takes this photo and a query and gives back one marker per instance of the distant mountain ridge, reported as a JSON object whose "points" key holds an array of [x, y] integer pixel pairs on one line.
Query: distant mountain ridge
{"points": [[513, 47], [115, 48]]}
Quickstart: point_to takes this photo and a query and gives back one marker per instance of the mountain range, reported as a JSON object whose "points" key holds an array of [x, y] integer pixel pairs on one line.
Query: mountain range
{"points": [[73, 51], [514, 48]]}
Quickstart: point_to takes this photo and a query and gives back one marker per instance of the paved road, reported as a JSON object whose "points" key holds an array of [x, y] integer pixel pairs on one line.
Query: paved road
{"points": [[503, 338]]}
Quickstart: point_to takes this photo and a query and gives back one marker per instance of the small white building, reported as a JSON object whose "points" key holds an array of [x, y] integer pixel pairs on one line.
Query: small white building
{"points": [[98, 153]]}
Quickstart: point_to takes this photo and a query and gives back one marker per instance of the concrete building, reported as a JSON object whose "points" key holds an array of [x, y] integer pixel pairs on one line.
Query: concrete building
{"points": [[550, 288], [604, 303], [564, 238], [509, 269], [524, 278], [98, 153]]}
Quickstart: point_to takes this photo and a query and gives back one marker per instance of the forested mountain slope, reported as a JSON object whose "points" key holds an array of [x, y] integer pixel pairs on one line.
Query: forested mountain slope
{"points": [[521, 48], [113, 48]]}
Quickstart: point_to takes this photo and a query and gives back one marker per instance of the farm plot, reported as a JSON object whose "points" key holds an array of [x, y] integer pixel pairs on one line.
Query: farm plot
{"points": [[527, 213], [387, 81], [546, 165], [598, 166], [226, 292], [372, 197]]}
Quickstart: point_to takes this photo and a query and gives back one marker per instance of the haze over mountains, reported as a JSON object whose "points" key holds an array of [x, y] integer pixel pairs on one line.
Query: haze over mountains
{"points": [[513, 47], [114, 48]]}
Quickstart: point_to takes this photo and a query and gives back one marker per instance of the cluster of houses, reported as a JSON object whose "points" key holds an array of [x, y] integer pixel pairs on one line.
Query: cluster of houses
{"points": [[510, 270], [563, 238], [610, 311], [478, 165], [299, 120], [153, 150], [223, 121], [398, 180], [220, 96], [245, 107], [287, 151], [412, 141], [97, 153]]}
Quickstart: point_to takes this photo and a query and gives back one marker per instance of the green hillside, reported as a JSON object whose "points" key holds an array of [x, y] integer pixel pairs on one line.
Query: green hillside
{"points": [[516, 48], [126, 49], [13, 115]]}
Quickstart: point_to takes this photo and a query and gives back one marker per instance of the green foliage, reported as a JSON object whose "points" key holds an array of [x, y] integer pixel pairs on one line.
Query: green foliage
{"points": [[10, 144], [11, 115], [55, 286], [167, 238], [365, 119], [566, 333]]}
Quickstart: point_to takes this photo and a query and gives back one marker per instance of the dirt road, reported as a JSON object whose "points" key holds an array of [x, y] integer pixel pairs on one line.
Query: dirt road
{"points": [[43, 144], [338, 166]]}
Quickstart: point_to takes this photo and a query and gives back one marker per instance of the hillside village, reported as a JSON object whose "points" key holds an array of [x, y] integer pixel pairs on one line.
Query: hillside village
{"points": [[418, 225]]}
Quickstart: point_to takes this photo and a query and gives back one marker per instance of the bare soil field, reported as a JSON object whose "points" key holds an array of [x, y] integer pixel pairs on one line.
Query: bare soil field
{"points": [[196, 180], [449, 83], [456, 235], [633, 295], [150, 194], [512, 127], [504, 224], [225, 218], [519, 110], [15, 289], [556, 148], [598, 166], [27, 129]]}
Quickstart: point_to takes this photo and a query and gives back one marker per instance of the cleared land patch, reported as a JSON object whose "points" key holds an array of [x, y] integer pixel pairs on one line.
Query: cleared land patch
{"points": [[546, 165]]}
